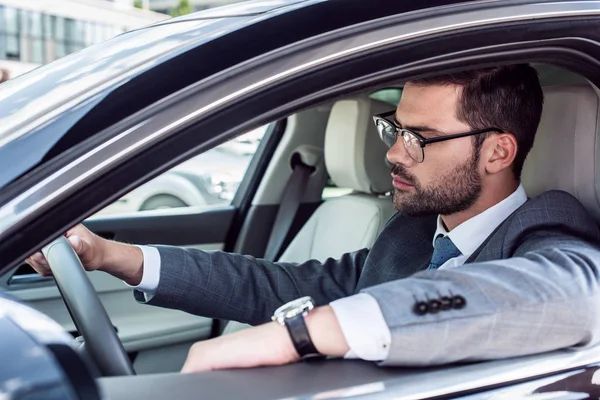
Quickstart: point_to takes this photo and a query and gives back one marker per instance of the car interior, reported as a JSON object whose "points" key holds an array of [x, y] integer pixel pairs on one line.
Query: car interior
{"points": [[339, 141]]}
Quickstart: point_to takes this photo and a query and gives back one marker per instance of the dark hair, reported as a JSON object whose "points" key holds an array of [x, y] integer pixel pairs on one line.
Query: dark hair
{"points": [[507, 97]]}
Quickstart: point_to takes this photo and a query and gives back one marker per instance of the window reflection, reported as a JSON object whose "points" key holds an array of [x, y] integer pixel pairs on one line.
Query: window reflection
{"points": [[30, 36], [9, 32]]}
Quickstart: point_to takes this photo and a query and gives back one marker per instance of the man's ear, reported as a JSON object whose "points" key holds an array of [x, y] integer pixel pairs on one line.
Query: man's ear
{"points": [[501, 151]]}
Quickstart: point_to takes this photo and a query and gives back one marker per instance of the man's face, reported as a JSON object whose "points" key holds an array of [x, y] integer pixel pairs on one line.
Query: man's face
{"points": [[448, 180]]}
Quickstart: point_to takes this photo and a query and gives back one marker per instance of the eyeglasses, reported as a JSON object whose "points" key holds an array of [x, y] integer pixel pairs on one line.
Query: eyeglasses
{"points": [[414, 143]]}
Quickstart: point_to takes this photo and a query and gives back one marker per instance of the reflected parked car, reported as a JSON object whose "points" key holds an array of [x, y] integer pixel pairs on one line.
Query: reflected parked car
{"points": [[211, 178]]}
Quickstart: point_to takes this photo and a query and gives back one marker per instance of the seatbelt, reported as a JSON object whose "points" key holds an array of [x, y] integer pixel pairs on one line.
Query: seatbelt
{"points": [[290, 202]]}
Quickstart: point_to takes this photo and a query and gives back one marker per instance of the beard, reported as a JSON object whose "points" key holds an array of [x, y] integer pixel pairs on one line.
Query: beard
{"points": [[452, 192]]}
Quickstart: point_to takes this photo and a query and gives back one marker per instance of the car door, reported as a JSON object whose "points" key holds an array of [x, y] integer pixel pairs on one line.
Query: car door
{"points": [[193, 204]]}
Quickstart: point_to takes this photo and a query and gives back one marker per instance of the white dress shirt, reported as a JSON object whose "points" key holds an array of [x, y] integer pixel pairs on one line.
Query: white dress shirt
{"points": [[359, 316]]}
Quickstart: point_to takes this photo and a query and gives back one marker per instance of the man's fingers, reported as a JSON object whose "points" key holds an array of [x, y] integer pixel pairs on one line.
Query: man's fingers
{"points": [[188, 368], [44, 272], [39, 263], [193, 362], [39, 259], [77, 244]]}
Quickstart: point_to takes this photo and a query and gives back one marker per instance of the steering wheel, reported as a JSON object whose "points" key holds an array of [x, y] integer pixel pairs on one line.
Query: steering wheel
{"points": [[88, 313]]}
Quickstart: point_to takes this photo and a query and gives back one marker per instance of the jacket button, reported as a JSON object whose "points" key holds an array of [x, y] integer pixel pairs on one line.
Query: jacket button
{"points": [[446, 303], [435, 306], [421, 308], [458, 302]]}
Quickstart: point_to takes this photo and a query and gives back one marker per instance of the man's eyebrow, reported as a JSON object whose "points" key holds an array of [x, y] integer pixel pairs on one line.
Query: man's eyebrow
{"points": [[420, 128], [427, 129]]}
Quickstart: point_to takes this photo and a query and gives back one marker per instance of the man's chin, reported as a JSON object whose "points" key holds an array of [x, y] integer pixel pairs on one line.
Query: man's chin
{"points": [[405, 196], [409, 204], [402, 201]]}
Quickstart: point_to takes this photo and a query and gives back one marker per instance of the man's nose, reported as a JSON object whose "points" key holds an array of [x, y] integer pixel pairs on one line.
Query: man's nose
{"points": [[397, 154]]}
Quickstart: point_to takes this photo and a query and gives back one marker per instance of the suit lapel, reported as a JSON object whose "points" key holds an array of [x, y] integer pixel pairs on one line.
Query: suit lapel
{"points": [[403, 248], [494, 251]]}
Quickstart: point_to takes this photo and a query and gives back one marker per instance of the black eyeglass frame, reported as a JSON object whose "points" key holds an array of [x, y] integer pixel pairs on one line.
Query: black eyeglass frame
{"points": [[423, 141]]}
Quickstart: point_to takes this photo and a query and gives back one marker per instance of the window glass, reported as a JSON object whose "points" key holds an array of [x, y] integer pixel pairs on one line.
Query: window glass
{"points": [[10, 46], [13, 47], [208, 180], [31, 24], [37, 53], [32, 36], [40, 38], [60, 49], [12, 20], [389, 95], [48, 25], [72, 47], [35, 24], [71, 30], [25, 22], [60, 28]]}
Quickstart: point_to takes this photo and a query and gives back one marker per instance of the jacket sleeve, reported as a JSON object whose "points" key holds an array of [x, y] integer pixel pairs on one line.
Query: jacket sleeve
{"points": [[543, 298], [242, 288]]}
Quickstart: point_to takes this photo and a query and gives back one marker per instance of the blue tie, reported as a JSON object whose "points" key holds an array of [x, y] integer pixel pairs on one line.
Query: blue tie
{"points": [[443, 250]]}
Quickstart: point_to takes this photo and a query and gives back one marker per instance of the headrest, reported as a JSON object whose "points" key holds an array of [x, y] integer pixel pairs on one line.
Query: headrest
{"points": [[565, 151], [354, 154]]}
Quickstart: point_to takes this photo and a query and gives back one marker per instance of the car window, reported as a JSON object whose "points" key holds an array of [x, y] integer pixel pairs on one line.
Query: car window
{"points": [[106, 90], [210, 179], [389, 95]]}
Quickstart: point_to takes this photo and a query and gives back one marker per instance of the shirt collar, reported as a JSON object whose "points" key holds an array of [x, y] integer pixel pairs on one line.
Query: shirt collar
{"points": [[469, 235]]}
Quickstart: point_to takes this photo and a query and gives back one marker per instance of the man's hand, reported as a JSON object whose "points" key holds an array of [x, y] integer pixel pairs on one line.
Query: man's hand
{"points": [[88, 246], [96, 253], [266, 345]]}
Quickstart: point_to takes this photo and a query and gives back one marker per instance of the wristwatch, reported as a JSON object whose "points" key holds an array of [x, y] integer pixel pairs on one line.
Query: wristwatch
{"points": [[292, 316]]}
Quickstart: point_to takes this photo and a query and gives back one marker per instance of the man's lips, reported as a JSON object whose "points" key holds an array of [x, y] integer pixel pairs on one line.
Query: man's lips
{"points": [[400, 183]]}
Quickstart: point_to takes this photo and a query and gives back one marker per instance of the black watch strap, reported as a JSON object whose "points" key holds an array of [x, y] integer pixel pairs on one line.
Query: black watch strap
{"points": [[301, 338]]}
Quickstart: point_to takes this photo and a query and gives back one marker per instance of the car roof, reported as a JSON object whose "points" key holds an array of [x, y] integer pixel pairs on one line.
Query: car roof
{"points": [[44, 87], [56, 106]]}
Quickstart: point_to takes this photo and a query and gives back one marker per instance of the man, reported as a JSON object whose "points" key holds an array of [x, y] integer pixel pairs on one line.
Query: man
{"points": [[469, 268]]}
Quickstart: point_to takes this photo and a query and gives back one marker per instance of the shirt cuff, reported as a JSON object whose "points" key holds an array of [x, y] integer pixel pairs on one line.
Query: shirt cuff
{"points": [[363, 326], [151, 272]]}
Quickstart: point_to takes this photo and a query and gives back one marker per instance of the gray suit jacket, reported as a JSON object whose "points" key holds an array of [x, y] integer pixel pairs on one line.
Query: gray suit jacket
{"points": [[532, 286]]}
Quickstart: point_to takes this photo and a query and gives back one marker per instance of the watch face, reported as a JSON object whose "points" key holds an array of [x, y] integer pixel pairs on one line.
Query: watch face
{"points": [[294, 307]]}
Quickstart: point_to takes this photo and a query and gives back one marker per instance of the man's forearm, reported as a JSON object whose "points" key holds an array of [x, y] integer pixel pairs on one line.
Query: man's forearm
{"points": [[267, 344], [123, 261], [325, 332], [246, 289]]}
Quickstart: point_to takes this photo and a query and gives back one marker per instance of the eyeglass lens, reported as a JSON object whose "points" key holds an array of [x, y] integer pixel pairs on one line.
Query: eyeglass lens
{"points": [[389, 134]]}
